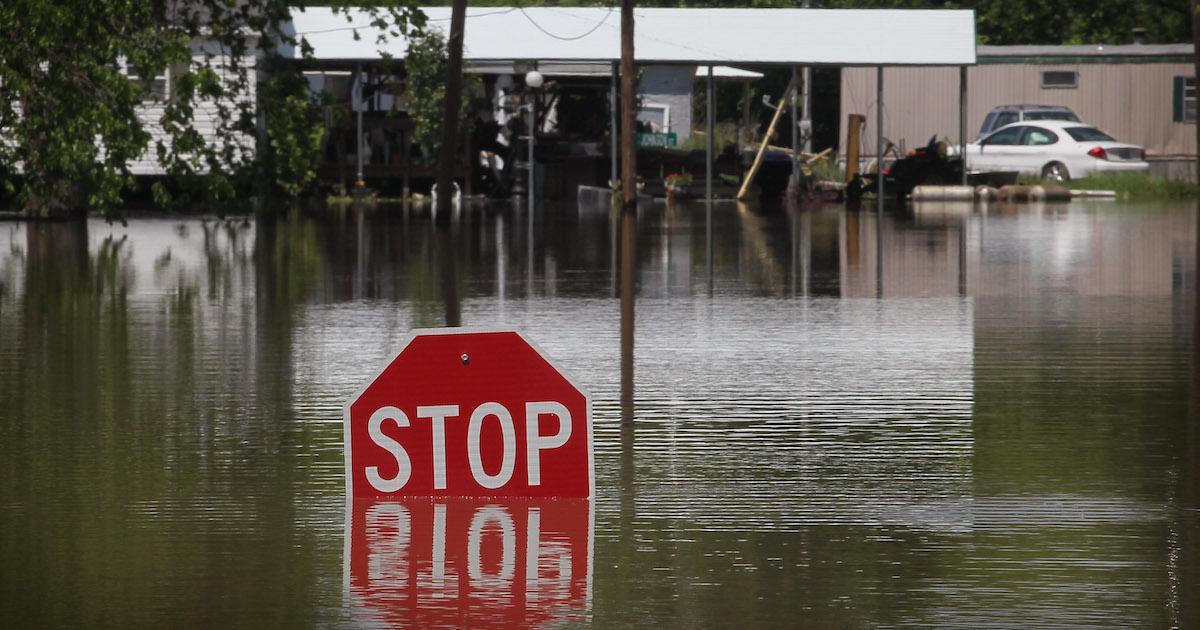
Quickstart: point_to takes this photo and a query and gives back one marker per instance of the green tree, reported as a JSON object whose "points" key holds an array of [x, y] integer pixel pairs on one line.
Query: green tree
{"points": [[425, 66], [81, 79]]}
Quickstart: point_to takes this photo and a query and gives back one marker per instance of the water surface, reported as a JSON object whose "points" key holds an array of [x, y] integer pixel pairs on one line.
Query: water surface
{"points": [[815, 416]]}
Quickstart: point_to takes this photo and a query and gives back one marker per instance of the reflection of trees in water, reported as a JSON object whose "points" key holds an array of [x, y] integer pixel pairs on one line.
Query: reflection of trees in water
{"points": [[147, 419]]}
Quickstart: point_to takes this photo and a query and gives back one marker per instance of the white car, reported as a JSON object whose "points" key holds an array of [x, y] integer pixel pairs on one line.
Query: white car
{"points": [[1056, 150]]}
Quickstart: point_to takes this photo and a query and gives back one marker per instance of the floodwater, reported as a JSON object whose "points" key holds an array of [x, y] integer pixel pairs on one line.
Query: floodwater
{"points": [[944, 418]]}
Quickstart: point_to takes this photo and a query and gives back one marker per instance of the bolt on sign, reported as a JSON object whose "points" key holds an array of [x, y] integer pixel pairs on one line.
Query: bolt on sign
{"points": [[462, 413], [469, 474]]}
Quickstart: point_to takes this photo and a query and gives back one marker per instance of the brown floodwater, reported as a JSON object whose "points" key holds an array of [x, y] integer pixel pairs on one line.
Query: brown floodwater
{"points": [[941, 417]]}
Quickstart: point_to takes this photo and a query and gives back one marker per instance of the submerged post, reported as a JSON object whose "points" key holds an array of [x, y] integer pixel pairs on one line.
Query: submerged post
{"points": [[879, 138], [962, 120], [708, 140]]}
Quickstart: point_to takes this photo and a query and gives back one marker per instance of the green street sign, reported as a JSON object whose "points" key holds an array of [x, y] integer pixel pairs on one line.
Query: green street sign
{"points": [[663, 140]]}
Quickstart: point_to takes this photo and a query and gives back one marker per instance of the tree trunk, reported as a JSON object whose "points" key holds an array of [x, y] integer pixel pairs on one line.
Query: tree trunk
{"points": [[448, 150]]}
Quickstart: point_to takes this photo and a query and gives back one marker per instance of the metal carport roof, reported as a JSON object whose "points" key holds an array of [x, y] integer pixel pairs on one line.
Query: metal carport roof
{"points": [[842, 37]]}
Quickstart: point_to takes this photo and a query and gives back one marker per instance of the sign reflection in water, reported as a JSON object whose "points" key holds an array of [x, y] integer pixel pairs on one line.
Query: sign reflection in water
{"points": [[478, 563]]}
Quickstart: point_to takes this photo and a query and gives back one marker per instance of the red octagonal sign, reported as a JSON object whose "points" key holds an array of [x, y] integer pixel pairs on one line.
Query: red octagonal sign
{"points": [[468, 413]]}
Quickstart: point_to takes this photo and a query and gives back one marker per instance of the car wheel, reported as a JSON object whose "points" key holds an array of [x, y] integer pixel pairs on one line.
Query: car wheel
{"points": [[1056, 172]]}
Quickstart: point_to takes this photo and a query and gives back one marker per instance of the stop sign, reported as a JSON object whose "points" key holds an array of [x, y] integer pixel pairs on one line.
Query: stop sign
{"points": [[469, 413]]}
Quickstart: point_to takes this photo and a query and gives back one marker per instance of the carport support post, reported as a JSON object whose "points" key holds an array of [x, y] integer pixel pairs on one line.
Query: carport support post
{"points": [[795, 181], [533, 99], [614, 139], [806, 117], [358, 131], [709, 141], [962, 120], [879, 138], [709, 97]]}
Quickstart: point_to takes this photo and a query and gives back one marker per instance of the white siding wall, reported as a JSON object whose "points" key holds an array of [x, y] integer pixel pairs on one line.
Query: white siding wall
{"points": [[670, 86], [206, 113]]}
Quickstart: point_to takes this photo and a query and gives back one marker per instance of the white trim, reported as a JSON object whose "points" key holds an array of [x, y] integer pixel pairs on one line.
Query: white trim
{"points": [[666, 110]]}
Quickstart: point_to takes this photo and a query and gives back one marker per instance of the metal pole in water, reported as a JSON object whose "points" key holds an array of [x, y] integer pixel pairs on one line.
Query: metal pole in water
{"points": [[879, 182], [879, 138], [806, 99], [532, 140], [614, 139], [358, 132], [806, 117], [962, 120], [708, 142], [795, 135]]}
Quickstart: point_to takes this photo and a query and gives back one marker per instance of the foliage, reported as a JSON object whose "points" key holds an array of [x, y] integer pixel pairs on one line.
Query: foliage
{"points": [[80, 87], [425, 90], [294, 128], [723, 136]]}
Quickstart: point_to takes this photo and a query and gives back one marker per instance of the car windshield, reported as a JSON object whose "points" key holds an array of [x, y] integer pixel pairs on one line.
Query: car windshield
{"points": [[1052, 115], [987, 123], [1089, 134]]}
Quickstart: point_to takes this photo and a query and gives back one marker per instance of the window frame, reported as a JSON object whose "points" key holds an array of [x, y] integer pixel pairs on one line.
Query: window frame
{"points": [[1029, 132], [1074, 84], [1189, 85], [157, 88], [1020, 131]]}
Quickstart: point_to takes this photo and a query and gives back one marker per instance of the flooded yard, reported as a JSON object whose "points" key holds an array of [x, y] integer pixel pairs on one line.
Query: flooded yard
{"points": [[803, 417]]}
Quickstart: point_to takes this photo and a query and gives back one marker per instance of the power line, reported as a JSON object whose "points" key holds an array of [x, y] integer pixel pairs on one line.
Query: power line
{"points": [[475, 15], [560, 37]]}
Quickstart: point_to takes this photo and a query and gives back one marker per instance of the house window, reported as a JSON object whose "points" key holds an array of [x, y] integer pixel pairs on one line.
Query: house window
{"points": [[1065, 79], [1185, 100], [155, 88]]}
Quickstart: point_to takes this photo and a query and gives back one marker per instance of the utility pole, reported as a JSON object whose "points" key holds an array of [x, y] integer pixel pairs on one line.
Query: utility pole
{"points": [[628, 85], [446, 153], [1196, 72]]}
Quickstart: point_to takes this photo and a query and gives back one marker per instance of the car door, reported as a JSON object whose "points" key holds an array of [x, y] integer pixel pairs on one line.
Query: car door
{"points": [[1034, 149], [993, 151]]}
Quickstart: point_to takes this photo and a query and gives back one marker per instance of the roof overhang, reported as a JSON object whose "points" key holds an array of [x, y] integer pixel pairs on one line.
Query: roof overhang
{"points": [[841, 37]]}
